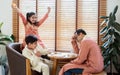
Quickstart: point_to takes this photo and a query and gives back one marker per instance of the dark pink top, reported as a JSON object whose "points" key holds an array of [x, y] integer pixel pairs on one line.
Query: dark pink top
{"points": [[89, 58]]}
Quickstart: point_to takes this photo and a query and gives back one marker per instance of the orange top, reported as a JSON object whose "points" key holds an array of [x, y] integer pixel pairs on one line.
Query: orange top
{"points": [[31, 29]]}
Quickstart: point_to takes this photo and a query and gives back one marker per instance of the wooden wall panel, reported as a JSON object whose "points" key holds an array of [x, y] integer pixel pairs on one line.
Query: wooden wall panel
{"points": [[15, 22], [102, 12]]}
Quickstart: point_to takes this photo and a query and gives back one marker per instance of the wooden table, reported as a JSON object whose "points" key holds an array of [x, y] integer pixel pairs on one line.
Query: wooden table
{"points": [[60, 58]]}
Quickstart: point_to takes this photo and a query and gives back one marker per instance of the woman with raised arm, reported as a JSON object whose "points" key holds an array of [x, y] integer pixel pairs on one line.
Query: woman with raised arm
{"points": [[31, 24]]}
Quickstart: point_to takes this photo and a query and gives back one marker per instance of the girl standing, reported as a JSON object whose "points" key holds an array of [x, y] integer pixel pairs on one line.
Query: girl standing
{"points": [[31, 24]]}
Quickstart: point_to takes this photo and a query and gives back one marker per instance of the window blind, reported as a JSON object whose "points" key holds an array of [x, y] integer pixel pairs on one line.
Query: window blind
{"points": [[66, 18], [47, 29], [87, 17], [25, 6]]}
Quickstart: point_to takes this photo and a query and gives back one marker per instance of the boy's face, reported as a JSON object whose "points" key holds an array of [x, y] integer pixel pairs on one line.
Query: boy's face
{"points": [[32, 45]]}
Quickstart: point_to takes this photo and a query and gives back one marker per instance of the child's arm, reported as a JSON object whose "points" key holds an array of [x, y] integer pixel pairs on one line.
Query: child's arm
{"points": [[45, 17], [33, 59], [14, 6], [37, 53]]}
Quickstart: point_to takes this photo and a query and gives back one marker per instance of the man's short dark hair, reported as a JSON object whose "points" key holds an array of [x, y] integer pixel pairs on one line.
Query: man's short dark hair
{"points": [[30, 39], [78, 31]]}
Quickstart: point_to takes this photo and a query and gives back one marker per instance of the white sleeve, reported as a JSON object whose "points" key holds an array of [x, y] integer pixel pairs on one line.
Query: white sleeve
{"points": [[42, 51], [33, 59]]}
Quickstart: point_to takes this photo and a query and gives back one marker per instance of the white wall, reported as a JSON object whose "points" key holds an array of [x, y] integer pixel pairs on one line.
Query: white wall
{"points": [[111, 5], [6, 16]]}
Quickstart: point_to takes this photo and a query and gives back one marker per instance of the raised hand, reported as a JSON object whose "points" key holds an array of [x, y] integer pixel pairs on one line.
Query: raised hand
{"points": [[49, 9], [14, 5]]}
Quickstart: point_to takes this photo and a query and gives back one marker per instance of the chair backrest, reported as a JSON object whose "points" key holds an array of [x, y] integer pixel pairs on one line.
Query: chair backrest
{"points": [[19, 65]]}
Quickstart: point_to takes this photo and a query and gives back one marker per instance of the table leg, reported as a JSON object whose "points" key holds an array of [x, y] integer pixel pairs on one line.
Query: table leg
{"points": [[54, 69]]}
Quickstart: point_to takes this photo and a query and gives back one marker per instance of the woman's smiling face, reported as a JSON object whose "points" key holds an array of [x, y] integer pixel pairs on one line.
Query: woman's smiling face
{"points": [[33, 18]]}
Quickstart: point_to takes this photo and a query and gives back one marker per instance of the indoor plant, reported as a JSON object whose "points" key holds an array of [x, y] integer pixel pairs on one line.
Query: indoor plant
{"points": [[110, 33], [4, 40], [2, 65]]}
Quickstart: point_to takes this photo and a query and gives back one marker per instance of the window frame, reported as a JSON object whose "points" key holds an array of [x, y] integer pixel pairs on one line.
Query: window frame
{"points": [[101, 11]]}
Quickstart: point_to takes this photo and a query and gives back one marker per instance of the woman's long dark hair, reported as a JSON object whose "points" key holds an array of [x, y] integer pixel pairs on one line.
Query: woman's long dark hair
{"points": [[28, 15]]}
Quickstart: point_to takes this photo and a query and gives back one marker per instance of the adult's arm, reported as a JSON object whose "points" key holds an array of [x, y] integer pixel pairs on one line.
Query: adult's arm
{"points": [[75, 46], [83, 53]]}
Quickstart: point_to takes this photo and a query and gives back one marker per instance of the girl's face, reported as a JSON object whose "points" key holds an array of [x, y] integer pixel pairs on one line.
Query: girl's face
{"points": [[32, 45], [33, 18]]}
